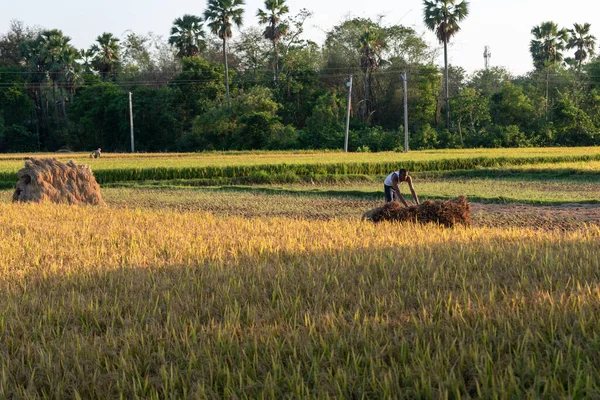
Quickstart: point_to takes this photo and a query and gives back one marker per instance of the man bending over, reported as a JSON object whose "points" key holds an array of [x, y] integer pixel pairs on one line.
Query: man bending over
{"points": [[392, 190]]}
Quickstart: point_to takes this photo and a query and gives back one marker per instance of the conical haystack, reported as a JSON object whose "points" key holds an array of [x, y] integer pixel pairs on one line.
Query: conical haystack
{"points": [[50, 180], [447, 213]]}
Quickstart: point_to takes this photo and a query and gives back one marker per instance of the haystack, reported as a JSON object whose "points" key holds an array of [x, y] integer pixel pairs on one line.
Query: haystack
{"points": [[447, 213], [50, 180]]}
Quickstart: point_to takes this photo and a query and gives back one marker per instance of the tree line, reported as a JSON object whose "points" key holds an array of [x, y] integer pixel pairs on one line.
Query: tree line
{"points": [[208, 86]]}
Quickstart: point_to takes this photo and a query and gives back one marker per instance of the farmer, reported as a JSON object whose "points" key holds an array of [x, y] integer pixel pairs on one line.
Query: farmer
{"points": [[391, 189], [96, 153]]}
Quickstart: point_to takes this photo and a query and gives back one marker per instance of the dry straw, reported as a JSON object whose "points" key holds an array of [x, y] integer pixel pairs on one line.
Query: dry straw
{"points": [[53, 181], [447, 213]]}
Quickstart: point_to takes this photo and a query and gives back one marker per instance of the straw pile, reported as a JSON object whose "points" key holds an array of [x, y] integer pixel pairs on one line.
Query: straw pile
{"points": [[50, 180], [447, 213]]}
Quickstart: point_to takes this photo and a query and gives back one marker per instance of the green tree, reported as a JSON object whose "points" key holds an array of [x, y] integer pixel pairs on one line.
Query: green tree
{"points": [[221, 15], [253, 52], [187, 36], [101, 112], [324, 128], [471, 107], [443, 17], [512, 106], [490, 81], [106, 54], [256, 112], [592, 71], [370, 46], [546, 50], [200, 87], [11, 43], [583, 41], [275, 29], [574, 126], [156, 126]]}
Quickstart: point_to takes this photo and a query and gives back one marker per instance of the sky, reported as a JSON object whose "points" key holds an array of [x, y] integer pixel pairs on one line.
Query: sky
{"points": [[503, 25]]}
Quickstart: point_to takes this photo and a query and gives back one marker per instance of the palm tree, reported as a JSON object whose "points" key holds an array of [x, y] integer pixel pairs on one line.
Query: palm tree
{"points": [[221, 15], [582, 41], [275, 29], [72, 70], [187, 36], [54, 46], [107, 51], [70, 78], [36, 77], [546, 49], [87, 56], [442, 17], [370, 45]]}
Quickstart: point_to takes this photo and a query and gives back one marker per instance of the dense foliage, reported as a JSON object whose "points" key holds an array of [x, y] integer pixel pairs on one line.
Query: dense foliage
{"points": [[287, 92]]}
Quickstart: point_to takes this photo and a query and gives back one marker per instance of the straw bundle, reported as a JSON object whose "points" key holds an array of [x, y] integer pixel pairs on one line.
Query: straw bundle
{"points": [[51, 180], [447, 213]]}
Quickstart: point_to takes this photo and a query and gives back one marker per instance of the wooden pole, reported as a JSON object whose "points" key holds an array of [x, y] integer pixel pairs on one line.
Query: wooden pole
{"points": [[131, 122], [349, 84]]}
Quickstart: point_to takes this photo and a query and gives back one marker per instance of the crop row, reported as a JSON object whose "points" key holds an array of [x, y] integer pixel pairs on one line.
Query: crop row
{"points": [[365, 168]]}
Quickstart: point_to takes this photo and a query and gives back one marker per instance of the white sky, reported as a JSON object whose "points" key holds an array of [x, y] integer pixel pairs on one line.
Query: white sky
{"points": [[504, 25]]}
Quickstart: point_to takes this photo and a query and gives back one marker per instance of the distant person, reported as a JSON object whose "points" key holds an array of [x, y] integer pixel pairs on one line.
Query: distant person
{"points": [[96, 153], [391, 189]]}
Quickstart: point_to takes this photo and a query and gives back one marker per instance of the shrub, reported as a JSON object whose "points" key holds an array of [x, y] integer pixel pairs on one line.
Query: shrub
{"points": [[425, 138], [18, 139]]}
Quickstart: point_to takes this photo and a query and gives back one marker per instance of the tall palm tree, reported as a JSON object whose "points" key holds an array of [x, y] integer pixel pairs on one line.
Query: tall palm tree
{"points": [[70, 78], [583, 41], [370, 45], [72, 69], [187, 36], [442, 17], [36, 78], [107, 51], [221, 15], [275, 29], [54, 46], [546, 50], [87, 57]]}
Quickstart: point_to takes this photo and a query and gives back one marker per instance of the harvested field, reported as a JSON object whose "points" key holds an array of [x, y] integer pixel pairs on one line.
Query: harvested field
{"points": [[253, 205], [564, 217]]}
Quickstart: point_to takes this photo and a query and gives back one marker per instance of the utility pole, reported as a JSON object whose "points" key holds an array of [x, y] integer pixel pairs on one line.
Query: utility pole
{"points": [[446, 84], [349, 84], [405, 78], [131, 122]]}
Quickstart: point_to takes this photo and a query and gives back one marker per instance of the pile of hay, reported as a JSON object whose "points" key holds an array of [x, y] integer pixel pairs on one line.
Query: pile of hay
{"points": [[447, 213], [51, 180]]}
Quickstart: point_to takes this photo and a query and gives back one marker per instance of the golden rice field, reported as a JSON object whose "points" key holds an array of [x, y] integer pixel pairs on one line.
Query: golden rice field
{"points": [[150, 302]]}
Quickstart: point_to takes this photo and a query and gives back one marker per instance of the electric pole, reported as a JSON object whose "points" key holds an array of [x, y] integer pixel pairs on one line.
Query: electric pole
{"points": [[405, 78], [131, 122], [349, 84]]}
